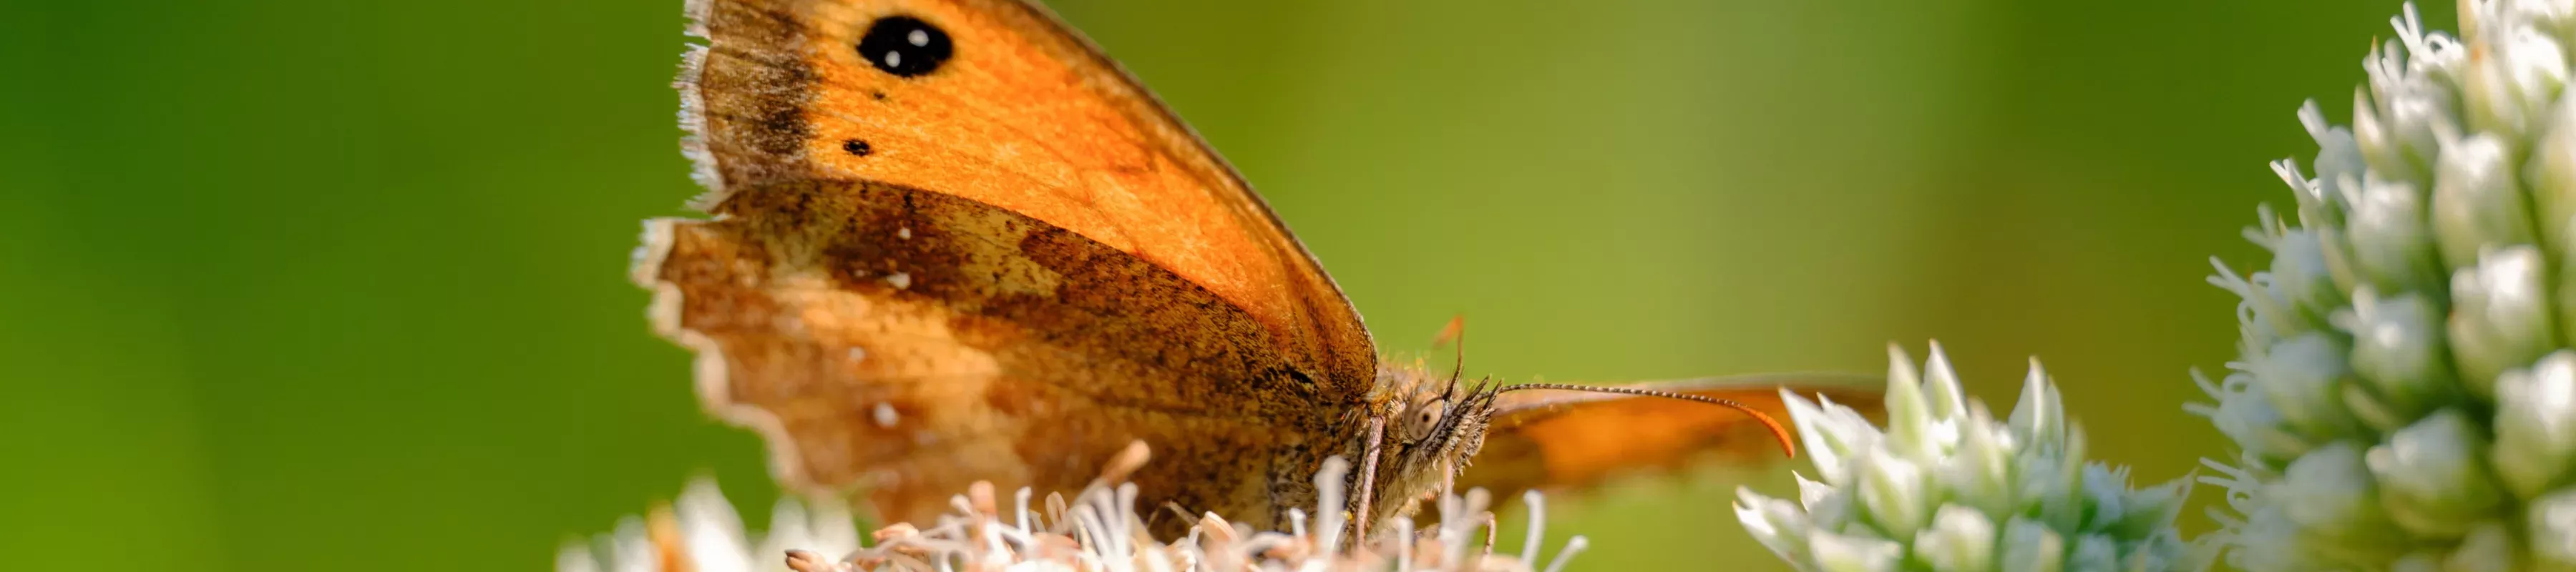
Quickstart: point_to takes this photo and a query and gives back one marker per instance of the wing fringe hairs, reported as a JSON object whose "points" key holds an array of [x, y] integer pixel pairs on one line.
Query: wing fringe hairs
{"points": [[1098, 529]]}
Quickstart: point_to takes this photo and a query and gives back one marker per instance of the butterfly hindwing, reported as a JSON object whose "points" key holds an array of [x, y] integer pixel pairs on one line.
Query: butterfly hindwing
{"points": [[1552, 438]]}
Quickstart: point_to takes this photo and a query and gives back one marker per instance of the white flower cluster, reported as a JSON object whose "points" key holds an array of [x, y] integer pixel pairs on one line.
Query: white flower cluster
{"points": [[2405, 397], [1946, 487], [1098, 531]]}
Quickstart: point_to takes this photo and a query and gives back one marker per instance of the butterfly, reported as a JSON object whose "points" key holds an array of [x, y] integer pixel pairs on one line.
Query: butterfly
{"points": [[953, 242]]}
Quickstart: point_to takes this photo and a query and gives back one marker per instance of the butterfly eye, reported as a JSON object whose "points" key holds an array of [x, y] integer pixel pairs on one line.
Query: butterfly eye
{"points": [[1424, 420], [905, 46]]}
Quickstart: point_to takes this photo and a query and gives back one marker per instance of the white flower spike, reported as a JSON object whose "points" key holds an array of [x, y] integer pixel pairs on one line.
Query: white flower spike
{"points": [[1948, 488], [1098, 530], [2412, 405]]}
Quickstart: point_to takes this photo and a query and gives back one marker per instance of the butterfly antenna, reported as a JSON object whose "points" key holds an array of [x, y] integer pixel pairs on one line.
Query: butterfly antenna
{"points": [[1486, 389], [1455, 334], [1778, 431]]}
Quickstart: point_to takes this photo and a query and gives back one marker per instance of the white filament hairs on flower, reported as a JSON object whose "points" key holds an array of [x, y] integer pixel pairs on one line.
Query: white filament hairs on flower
{"points": [[1099, 530], [2404, 390], [1947, 487]]}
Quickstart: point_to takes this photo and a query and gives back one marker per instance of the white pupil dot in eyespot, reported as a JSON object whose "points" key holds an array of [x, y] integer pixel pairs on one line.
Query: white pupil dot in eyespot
{"points": [[894, 59], [918, 37]]}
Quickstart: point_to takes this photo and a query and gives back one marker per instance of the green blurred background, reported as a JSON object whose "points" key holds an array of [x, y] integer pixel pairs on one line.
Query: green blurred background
{"points": [[309, 284]]}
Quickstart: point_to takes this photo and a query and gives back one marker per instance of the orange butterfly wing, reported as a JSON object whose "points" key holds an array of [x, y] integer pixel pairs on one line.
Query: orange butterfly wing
{"points": [[1026, 116], [1548, 438], [998, 260]]}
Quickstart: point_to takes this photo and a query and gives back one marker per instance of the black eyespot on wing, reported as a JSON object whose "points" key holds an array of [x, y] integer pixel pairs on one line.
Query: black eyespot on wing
{"points": [[905, 46], [856, 147]]}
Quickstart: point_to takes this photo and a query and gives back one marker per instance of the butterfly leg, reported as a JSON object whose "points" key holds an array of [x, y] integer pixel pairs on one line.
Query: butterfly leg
{"points": [[1368, 478]]}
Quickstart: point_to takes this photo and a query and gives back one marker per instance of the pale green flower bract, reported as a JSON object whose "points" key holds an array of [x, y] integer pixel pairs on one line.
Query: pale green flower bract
{"points": [[1946, 487]]}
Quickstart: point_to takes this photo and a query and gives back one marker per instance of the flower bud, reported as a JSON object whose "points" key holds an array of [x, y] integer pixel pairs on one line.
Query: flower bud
{"points": [[2330, 492], [2379, 142], [2392, 245], [2301, 275], [1909, 415], [2412, 113], [2030, 547], [1841, 553], [2247, 417], [1941, 387], [2433, 477], [1960, 540], [2509, 88], [1829, 439], [1777, 524], [1979, 471], [2552, 522], [2487, 548], [1893, 494], [2303, 377], [2397, 348], [2499, 315], [2477, 200], [2552, 173], [2535, 427], [2093, 552], [2338, 159], [2038, 418]]}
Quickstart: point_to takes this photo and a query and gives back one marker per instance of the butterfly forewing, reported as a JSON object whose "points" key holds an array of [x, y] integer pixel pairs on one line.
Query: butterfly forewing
{"points": [[955, 243], [1024, 115]]}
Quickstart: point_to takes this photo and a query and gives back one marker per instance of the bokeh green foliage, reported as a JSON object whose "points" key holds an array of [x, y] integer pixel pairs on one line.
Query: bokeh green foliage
{"points": [[310, 284]]}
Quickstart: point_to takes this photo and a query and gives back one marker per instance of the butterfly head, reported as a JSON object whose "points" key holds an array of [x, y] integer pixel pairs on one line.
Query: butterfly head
{"points": [[1433, 425]]}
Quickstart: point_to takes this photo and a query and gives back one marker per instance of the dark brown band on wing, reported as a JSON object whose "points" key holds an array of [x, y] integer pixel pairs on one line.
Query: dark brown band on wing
{"points": [[1327, 309], [915, 342]]}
